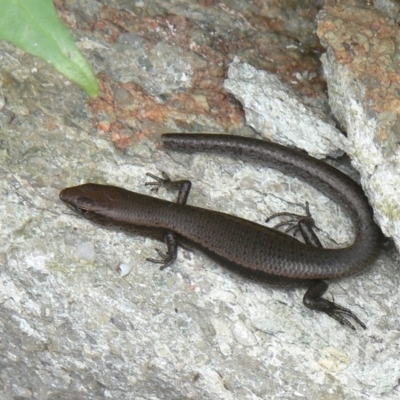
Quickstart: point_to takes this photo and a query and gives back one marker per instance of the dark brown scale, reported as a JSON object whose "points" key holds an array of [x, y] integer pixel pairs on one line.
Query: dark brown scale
{"points": [[250, 249]]}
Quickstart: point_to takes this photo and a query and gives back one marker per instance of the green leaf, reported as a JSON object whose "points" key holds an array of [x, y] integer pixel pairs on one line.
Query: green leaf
{"points": [[34, 26]]}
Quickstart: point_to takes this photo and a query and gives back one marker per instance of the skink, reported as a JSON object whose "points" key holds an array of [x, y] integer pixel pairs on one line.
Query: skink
{"points": [[248, 248]]}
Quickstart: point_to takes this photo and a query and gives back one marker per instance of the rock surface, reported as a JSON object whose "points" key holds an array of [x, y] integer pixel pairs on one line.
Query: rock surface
{"points": [[275, 111], [362, 68], [71, 327]]}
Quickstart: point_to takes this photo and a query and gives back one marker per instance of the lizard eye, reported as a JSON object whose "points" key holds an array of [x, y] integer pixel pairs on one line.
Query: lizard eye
{"points": [[84, 204]]}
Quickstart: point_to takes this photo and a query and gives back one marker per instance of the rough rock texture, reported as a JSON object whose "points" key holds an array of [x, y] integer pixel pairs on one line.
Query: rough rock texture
{"points": [[391, 8], [362, 67], [164, 63], [71, 327], [275, 111]]}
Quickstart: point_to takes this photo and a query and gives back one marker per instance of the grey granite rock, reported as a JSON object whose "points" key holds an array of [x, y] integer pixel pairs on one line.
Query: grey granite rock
{"points": [[71, 327], [275, 111], [364, 82]]}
